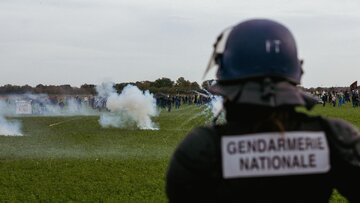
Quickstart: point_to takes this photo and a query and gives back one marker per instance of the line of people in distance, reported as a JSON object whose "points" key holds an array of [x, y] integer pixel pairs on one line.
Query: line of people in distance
{"points": [[339, 98], [168, 102]]}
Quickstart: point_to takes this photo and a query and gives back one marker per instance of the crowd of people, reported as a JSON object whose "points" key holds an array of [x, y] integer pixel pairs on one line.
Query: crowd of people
{"points": [[41, 103], [339, 98], [168, 102]]}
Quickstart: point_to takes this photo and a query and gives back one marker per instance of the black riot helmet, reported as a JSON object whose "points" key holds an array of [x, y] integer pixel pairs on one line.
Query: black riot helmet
{"points": [[257, 48], [258, 64]]}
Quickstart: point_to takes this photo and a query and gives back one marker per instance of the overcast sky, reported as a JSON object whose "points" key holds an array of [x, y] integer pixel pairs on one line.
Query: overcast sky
{"points": [[90, 41]]}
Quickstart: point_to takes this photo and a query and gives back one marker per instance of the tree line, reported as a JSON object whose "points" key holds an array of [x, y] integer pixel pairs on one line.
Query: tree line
{"points": [[162, 85]]}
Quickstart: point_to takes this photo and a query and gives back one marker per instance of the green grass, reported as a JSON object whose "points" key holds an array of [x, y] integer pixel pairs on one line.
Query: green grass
{"points": [[73, 159], [65, 159]]}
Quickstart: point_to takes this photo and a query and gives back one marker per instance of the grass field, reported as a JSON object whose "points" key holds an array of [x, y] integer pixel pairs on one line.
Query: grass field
{"points": [[73, 159]]}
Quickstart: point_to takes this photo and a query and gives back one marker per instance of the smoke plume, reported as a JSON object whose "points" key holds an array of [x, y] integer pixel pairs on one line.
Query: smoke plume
{"points": [[215, 109], [216, 105], [43, 105], [8, 128], [131, 107]]}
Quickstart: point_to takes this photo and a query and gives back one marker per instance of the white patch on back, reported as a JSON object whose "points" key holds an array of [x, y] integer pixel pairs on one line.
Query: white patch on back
{"points": [[274, 154]]}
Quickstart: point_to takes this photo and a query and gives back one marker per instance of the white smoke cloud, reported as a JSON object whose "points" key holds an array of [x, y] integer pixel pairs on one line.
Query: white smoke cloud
{"points": [[8, 128], [105, 89], [131, 107], [215, 109], [43, 105], [70, 107], [216, 105], [216, 102], [40, 105]]}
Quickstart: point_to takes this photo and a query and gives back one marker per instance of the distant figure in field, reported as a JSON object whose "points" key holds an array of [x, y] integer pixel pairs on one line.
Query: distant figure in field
{"points": [[169, 103], [347, 96], [324, 97], [266, 151], [333, 99], [355, 98], [341, 98]]}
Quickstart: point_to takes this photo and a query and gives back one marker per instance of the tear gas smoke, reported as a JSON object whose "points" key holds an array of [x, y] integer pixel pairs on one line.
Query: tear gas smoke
{"points": [[105, 89], [131, 107], [216, 105], [8, 128], [40, 105], [216, 102], [216, 108], [43, 105]]}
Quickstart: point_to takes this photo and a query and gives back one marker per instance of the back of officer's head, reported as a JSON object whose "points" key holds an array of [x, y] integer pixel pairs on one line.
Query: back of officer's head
{"points": [[257, 64], [258, 48]]}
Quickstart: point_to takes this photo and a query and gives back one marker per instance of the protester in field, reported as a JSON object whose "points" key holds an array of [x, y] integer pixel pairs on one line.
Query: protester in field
{"points": [[324, 98], [266, 151], [333, 98], [355, 98], [347, 96], [341, 99], [169, 103]]}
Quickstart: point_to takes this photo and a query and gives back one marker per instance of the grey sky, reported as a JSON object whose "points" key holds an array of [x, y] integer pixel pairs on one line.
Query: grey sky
{"points": [[90, 41]]}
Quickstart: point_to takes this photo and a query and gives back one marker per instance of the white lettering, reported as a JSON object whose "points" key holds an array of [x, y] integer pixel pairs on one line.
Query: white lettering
{"points": [[272, 43], [277, 46], [268, 46], [269, 154]]}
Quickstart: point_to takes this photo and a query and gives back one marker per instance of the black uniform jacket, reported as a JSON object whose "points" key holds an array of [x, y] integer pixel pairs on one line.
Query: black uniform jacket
{"points": [[195, 170]]}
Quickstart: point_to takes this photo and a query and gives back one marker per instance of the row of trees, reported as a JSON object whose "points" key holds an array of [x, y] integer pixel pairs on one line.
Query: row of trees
{"points": [[161, 85]]}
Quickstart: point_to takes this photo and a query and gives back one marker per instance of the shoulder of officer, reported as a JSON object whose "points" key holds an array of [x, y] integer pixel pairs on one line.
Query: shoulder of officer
{"points": [[346, 139], [343, 131], [198, 148]]}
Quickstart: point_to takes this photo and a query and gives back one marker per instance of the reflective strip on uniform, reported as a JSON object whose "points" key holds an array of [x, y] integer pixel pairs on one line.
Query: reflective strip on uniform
{"points": [[274, 154]]}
